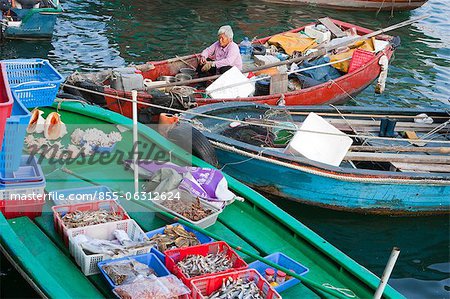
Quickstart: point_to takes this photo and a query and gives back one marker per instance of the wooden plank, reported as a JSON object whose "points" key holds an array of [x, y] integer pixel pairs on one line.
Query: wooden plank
{"points": [[279, 83], [374, 125], [421, 167], [404, 158], [368, 148], [332, 27]]}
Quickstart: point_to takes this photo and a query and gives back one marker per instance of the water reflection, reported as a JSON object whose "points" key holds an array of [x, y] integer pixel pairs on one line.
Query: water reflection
{"points": [[424, 243]]}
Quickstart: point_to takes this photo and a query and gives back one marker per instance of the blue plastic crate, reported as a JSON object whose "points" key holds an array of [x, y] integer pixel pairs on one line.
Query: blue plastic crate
{"points": [[15, 130], [28, 171], [149, 259], [13, 191], [67, 196], [201, 237], [284, 261], [35, 81]]}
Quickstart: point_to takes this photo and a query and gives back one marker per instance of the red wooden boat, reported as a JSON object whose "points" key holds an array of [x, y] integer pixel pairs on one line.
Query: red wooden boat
{"points": [[336, 91], [364, 5]]}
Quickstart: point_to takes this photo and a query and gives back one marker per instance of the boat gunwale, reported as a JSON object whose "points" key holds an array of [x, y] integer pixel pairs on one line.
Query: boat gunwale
{"points": [[404, 5]]}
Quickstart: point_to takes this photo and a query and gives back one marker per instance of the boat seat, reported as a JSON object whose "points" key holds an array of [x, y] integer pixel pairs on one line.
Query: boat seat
{"points": [[61, 268], [417, 167]]}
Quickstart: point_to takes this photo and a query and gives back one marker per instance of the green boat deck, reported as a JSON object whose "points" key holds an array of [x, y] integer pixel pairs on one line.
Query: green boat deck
{"points": [[255, 224]]}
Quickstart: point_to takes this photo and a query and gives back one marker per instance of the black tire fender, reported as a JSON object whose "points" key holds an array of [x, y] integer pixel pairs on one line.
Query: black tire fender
{"points": [[259, 49], [201, 147]]}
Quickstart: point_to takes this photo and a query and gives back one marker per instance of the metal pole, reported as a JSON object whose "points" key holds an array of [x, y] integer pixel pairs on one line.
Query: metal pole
{"points": [[135, 143], [387, 272]]}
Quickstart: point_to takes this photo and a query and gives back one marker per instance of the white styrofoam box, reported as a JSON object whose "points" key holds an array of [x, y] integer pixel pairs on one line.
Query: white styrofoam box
{"points": [[103, 231], [239, 85], [319, 35], [380, 45], [320, 141], [265, 59]]}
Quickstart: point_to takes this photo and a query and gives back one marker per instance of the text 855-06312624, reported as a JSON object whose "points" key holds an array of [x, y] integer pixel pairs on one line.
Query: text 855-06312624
{"points": [[160, 196]]}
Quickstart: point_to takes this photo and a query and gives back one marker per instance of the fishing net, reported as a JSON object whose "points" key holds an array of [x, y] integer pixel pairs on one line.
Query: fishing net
{"points": [[283, 128]]}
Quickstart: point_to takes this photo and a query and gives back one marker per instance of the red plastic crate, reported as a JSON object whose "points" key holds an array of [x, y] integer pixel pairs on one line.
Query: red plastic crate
{"points": [[109, 205], [359, 58], [173, 256], [6, 101], [31, 207], [203, 287]]}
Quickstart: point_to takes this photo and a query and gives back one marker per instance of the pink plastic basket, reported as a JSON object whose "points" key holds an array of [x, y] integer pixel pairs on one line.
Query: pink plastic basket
{"points": [[6, 101], [360, 58], [59, 211]]}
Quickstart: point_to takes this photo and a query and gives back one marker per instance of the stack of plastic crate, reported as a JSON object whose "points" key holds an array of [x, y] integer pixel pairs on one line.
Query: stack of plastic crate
{"points": [[24, 83]]}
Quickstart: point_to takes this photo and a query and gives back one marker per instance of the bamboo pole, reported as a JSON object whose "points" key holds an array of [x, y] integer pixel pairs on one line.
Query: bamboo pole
{"points": [[320, 52], [387, 272], [135, 142]]}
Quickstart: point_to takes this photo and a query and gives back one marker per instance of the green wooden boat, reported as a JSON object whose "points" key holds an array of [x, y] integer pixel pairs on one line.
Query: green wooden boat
{"points": [[255, 224]]}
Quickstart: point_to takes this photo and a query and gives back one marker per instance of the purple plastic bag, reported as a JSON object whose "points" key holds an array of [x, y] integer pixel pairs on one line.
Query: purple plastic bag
{"points": [[206, 183]]}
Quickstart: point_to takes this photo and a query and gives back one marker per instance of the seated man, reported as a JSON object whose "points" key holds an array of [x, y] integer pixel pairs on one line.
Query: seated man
{"points": [[221, 55]]}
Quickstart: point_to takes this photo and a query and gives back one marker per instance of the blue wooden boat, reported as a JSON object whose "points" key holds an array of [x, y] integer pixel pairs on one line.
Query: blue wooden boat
{"points": [[380, 176], [31, 23]]}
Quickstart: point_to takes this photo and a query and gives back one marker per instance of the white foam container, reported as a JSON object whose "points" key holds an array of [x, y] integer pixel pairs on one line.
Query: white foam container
{"points": [[233, 78], [320, 141], [320, 36], [104, 231]]}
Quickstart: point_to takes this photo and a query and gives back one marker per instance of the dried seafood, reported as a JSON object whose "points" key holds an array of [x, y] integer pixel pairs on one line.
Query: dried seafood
{"points": [[239, 288], [95, 137], [167, 287], [85, 218], [196, 265], [174, 236], [145, 289], [188, 209], [127, 271]]}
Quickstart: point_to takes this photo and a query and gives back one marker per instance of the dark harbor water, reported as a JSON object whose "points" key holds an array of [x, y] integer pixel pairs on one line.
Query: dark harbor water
{"points": [[94, 35]]}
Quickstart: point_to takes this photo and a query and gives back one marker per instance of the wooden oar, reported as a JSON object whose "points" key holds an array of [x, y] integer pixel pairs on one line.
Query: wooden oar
{"points": [[185, 62], [320, 52], [171, 217]]}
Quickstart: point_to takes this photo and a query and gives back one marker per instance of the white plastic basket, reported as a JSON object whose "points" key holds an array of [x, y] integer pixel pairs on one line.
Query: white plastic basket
{"points": [[203, 223], [104, 231]]}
